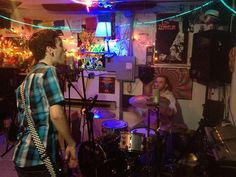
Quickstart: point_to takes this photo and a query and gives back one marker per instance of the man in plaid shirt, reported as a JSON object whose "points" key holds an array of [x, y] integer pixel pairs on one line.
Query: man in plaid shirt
{"points": [[44, 101]]}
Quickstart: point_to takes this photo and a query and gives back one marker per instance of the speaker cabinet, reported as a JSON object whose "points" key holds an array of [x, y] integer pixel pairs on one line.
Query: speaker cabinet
{"points": [[213, 112], [209, 62]]}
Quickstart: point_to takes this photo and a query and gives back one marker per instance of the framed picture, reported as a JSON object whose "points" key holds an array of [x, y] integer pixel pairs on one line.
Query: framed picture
{"points": [[171, 41], [180, 81], [107, 85]]}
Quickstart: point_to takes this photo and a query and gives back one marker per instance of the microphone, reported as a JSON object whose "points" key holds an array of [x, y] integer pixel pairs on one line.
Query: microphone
{"points": [[71, 72], [70, 63]]}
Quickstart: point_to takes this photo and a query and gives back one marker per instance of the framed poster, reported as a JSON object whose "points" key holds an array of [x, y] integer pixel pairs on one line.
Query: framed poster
{"points": [[107, 85], [171, 41], [180, 81]]}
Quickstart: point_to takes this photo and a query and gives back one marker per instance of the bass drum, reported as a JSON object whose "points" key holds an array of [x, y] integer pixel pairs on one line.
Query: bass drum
{"points": [[101, 159]]}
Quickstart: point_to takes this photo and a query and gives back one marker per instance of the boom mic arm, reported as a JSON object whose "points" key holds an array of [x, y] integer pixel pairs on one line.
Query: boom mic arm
{"points": [[93, 102]]}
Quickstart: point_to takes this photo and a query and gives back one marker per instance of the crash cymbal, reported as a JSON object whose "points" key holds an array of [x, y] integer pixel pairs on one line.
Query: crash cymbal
{"points": [[146, 102], [100, 113], [139, 101]]}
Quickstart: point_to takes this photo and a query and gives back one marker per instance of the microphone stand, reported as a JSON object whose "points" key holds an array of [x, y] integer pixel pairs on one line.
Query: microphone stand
{"points": [[89, 117], [69, 103], [88, 114]]}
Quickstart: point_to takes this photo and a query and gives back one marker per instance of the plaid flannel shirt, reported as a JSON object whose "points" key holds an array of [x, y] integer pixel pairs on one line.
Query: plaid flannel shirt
{"points": [[43, 92]]}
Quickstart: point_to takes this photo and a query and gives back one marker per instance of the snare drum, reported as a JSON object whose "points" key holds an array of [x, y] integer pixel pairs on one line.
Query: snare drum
{"points": [[132, 142], [144, 131], [114, 126]]}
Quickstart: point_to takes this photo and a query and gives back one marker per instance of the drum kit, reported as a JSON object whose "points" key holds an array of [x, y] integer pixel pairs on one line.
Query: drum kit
{"points": [[120, 152], [115, 153]]}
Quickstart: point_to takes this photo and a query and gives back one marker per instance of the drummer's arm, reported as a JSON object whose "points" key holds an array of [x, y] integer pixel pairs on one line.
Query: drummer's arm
{"points": [[171, 110], [168, 111]]}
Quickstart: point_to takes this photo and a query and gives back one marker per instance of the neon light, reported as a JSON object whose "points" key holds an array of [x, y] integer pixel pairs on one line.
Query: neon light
{"points": [[39, 26], [227, 6], [156, 21]]}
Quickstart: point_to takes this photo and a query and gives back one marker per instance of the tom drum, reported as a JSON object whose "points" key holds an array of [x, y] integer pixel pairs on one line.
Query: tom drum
{"points": [[114, 126]]}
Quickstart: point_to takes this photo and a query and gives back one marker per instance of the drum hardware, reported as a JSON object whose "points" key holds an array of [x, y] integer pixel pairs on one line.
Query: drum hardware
{"points": [[192, 155], [190, 160], [148, 167], [100, 113], [139, 157], [146, 154], [105, 161], [131, 159]]}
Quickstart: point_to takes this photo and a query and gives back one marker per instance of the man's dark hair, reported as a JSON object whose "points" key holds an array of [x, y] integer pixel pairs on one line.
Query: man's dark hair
{"points": [[40, 40]]}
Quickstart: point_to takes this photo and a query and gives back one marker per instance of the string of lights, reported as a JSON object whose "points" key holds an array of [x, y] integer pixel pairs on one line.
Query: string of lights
{"points": [[227, 6], [66, 28], [178, 15]]}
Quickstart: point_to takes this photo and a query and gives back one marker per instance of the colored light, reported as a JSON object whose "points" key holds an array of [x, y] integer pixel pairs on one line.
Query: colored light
{"points": [[103, 29], [178, 15], [156, 21], [88, 3], [227, 6]]}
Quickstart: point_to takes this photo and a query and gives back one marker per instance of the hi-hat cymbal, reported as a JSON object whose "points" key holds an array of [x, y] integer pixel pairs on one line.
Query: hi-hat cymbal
{"points": [[100, 113]]}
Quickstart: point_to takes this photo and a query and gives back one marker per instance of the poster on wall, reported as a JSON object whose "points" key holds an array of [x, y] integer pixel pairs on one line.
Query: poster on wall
{"points": [[107, 85], [171, 41], [180, 81]]}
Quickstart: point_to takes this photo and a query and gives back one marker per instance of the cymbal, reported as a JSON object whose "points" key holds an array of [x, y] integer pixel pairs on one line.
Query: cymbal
{"points": [[100, 113], [146, 102], [139, 101]]}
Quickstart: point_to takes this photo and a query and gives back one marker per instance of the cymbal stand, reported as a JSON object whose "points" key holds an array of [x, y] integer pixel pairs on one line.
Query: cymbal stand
{"points": [[131, 158], [148, 145], [148, 139]]}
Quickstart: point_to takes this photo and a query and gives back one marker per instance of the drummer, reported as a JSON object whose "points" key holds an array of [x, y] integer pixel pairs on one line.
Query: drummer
{"points": [[169, 120]]}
